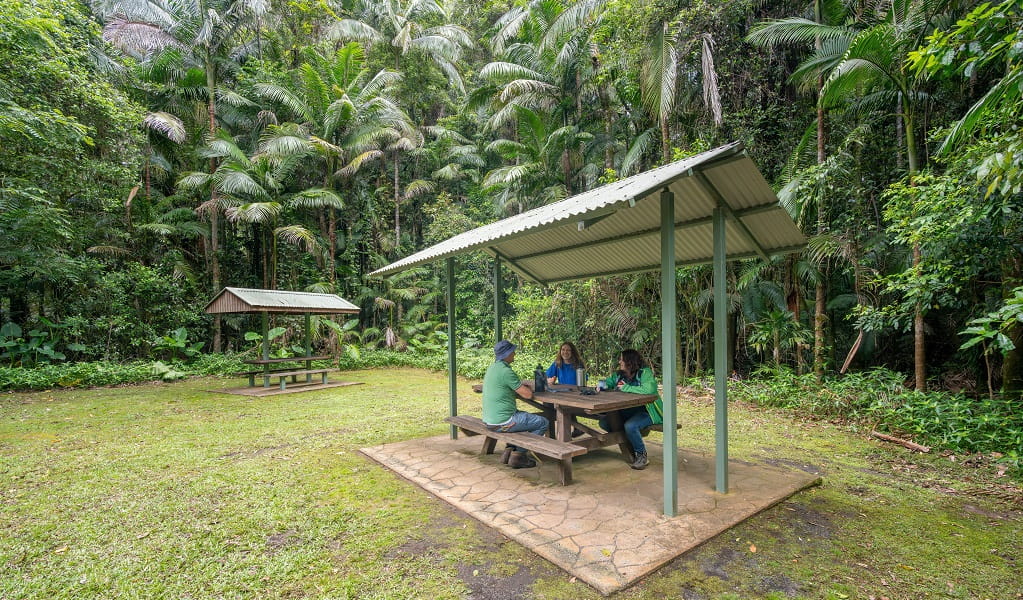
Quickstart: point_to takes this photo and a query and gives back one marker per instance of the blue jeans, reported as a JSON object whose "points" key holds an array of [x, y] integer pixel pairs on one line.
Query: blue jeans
{"points": [[522, 421], [636, 419]]}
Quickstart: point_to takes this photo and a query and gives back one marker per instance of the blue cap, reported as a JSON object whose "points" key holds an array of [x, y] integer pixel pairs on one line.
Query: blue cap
{"points": [[504, 349]]}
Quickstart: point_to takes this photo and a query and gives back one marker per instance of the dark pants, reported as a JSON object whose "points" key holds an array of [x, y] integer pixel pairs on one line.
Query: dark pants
{"points": [[636, 419]]}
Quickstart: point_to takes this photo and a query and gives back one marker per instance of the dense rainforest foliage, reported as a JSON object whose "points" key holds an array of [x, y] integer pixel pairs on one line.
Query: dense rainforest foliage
{"points": [[154, 151]]}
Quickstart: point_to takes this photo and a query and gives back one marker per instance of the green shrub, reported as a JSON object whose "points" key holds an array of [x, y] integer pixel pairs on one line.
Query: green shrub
{"points": [[472, 362], [75, 375], [878, 398], [217, 364], [90, 374], [956, 422]]}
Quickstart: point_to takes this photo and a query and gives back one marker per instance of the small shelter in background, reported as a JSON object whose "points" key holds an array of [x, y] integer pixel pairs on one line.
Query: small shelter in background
{"points": [[264, 302]]}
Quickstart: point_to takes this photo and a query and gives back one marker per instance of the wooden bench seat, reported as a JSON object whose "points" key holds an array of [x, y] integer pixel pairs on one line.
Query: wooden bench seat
{"points": [[283, 375], [659, 427], [545, 446]]}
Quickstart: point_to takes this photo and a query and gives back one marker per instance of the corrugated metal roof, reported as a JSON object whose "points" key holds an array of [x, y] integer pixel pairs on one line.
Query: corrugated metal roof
{"points": [[244, 300], [616, 228]]}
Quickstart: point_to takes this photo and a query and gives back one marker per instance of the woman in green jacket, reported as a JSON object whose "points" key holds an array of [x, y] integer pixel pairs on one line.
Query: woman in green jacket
{"points": [[635, 377]]}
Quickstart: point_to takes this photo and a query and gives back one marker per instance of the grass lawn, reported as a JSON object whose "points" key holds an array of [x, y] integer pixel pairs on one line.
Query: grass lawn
{"points": [[169, 491]]}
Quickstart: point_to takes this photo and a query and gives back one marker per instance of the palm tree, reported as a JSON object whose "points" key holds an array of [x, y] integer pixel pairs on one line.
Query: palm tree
{"points": [[254, 189], [407, 27], [536, 173], [829, 35], [348, 117], [659, 78], [874, 73], [202, 34], [403, 25]]}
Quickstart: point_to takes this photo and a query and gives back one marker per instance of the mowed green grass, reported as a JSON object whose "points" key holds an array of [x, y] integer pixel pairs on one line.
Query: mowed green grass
{"points": [[171, 491]]}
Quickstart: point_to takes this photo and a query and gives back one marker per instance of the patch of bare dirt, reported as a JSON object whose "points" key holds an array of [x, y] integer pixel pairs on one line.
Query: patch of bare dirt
{"points": [[486, 587], [281, 540]]}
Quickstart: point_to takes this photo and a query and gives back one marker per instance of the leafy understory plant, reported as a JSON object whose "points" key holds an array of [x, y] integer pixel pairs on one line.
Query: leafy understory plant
{"points": [[177, 342], [282, 351], [40, 348], [167, 372], [991, 331]]}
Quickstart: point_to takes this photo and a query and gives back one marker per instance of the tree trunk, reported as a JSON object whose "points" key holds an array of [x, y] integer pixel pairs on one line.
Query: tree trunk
{"points": [[214, 261], [820, 296], [332, 241], [919, 349], [397, 205], [819, 319], [1012, 364], [919, 353], [794, 300], [665, 141]]}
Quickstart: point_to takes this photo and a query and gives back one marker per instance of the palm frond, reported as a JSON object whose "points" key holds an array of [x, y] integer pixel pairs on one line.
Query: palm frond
{"points": [[795, 31], [167, 124], [194, 180], [634, 155], [577, 16], [1004, 93], [659, 73], [418, 187], [317, 198], [254, 212], [353, 29], [297, 235], [241, 185], [285, 97], [356, 163], [108, 250], [508, 27], [137, 38], [507, 71]]}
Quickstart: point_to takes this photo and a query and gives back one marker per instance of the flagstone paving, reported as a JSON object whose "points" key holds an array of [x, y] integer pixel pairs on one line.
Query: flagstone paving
{"points": [[607, 528]]}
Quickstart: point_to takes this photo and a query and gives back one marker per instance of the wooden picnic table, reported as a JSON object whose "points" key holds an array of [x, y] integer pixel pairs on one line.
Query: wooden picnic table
{"points": [[569, 403], [267, 371], [563, 405]]}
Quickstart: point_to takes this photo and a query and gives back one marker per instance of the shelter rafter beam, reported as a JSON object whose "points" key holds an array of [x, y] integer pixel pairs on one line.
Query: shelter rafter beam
{"points": [[514, 266], [679, 226], [730, 214], [683, 263]]}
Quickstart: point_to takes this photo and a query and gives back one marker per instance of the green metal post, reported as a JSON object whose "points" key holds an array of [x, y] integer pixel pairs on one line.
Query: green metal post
{"points": [[266, 348], [668, 333], [307, 342], [307, 346], [498, 284], [452, 373], [720, 353], [266, 335]]}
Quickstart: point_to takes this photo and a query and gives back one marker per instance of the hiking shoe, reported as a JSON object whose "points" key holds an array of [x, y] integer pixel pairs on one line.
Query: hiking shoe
{"points": [[640, 462], [519, 460]]}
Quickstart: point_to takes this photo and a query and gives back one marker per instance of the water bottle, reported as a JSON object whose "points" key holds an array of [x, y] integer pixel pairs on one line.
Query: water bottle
{"points": [[539, 379], [580, 377]]}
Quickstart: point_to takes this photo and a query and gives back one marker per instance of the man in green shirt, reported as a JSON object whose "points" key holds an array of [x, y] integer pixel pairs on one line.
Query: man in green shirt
{"points": [[501, 386]]}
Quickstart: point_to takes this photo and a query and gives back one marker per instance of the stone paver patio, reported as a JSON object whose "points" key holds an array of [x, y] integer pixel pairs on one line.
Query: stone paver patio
{"points": [[607, 528]]}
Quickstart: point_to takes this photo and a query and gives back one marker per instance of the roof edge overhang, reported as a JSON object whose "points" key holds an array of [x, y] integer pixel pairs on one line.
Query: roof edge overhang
{"points": [[256, 308], [591, 207], [677, 170]]}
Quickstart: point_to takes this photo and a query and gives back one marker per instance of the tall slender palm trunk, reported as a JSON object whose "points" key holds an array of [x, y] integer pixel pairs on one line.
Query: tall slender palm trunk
{"points": [[214, 261], [820, 293]]}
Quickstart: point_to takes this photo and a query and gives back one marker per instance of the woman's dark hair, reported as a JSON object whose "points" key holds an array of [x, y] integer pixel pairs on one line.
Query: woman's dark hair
{"points": [[633, 361], [576, 359]]}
